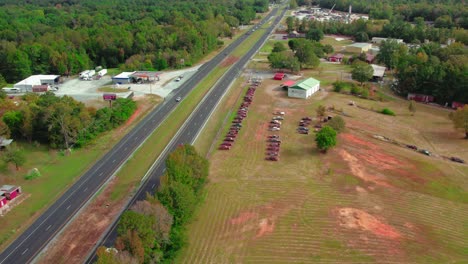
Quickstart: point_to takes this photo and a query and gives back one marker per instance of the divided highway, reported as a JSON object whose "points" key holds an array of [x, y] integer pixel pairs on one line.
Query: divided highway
{"points": [[39, 234], [194, 124]]}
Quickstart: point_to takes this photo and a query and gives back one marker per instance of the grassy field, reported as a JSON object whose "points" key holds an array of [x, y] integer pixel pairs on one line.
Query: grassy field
{"points": [[54, 181], [366, 201]]}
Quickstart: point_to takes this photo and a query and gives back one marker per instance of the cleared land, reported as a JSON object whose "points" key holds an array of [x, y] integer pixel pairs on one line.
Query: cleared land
{"points": [[366, 201]]}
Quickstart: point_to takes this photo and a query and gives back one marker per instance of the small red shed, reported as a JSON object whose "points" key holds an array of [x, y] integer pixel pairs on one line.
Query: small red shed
{"points": [[11, 191], [456, 105], [279, 76], [421, 97], [336, 58], [3, 199]]}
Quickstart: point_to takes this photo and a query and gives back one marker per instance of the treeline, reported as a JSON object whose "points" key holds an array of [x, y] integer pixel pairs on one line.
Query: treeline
{"points": [[430, 69], [153, 231], [60, 122], [445, 13], [66, 37], [395, 28], [302, 53]]}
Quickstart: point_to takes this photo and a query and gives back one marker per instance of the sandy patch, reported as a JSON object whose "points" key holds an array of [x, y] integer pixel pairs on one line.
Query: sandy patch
{"points": [[358, 170], [266, 226], [352, 218], [242, 218], [261, 220]]}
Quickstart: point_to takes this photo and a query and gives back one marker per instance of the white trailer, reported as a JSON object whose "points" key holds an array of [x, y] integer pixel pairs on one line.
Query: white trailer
{"points": [[102, 72], [84, 74]]}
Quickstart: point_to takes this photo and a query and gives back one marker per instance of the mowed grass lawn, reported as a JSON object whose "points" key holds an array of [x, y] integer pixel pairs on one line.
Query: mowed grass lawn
{"points": [[366, 201]]}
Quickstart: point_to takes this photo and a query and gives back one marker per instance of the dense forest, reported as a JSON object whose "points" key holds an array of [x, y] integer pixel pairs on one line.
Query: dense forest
{"points": [[66, 37], [445, 13], [60, 122]]}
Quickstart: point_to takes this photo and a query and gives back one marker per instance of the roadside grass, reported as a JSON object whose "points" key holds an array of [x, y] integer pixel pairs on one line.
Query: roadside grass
{"points": [[284, 212], [110, 89], [57, 173], [337, 45]]}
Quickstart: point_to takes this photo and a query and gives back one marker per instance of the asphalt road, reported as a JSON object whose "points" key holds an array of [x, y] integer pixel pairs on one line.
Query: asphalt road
{"points": [[38, 235], [193, 125]]}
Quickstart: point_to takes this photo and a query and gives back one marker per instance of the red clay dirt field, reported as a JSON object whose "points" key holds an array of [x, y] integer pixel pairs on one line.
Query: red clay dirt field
{"points": [[365, 201]]}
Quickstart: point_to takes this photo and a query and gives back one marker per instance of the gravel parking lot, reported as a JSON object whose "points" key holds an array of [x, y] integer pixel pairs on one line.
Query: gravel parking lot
{"points": [[88, 90]]}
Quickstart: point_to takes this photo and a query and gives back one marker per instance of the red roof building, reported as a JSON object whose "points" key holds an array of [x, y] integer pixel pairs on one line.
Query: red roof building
{"points": [[3, 200], [336, 57], [10, 191]]}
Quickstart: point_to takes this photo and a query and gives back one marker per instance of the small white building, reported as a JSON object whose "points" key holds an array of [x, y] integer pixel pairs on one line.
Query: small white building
{"points": [[359, 47], [122, 78], [27, 84], [379, 72], [377, 40], [304, 89]]}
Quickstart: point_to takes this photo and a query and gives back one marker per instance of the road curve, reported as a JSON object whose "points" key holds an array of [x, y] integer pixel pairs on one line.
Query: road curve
{"points": [[46, 226]]}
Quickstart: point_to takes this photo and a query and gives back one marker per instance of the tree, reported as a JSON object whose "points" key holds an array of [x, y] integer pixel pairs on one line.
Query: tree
{"points": [[412, 107], [361, 36], [278, 47], [325, 139], [389, 53], [315, 34], [337, 123], [14, 155], [321, 111], [304, 52], [290, 24], [179, 199], [361, 72], [460, 119]]}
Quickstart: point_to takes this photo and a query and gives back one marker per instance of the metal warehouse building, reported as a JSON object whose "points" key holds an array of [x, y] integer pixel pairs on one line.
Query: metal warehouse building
{"points": [[304, 89], [27, 84]]}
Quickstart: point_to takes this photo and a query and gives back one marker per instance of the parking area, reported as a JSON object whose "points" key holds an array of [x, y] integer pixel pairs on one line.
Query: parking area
{"points": [[86, 91]]}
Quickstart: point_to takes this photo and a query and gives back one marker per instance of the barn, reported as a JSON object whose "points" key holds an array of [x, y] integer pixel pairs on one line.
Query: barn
{"points": [[359, 47], [27, 84], [304, 89], [10, 191]]}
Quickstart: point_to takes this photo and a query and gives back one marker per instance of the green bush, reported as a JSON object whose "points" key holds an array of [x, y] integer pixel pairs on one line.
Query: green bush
{"points": [[387, 111], [338, 86], [355, 90], [32, 174], [337, 123]]}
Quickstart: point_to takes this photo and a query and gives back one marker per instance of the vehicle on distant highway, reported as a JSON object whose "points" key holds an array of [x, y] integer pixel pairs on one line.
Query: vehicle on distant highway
{"points": [[178, 99]]}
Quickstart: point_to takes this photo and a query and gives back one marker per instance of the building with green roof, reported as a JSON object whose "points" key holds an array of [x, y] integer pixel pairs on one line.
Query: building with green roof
{"points": [[304, 89]]}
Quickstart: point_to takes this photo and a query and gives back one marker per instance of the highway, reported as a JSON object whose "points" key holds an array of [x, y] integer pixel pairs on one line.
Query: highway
{"points": [[193, 126], [45, 227]]}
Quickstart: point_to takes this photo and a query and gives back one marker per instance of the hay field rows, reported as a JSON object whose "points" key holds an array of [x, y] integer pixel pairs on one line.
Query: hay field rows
{"points": [[366, 201]]}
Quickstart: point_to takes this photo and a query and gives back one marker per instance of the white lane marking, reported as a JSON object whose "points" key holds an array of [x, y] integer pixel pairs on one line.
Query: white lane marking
{"points": [[125, 148], [154, 184], [68, 206], [113, 161], [26, 250], [85, 189], [48, 227], [100, 174]]}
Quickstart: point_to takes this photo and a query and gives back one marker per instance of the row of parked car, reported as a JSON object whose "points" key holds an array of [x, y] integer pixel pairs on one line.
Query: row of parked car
{"points": [[274, 141], [303, 125], [237, 121]]}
